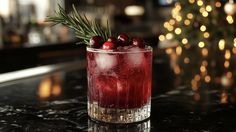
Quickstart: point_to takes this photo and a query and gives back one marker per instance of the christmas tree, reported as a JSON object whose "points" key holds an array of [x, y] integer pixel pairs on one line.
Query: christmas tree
{"points": [[205, 32]]}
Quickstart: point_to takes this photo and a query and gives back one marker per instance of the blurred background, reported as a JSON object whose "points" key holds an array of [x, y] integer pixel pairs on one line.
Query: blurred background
{"points": [[27, 41], [173, 27]]}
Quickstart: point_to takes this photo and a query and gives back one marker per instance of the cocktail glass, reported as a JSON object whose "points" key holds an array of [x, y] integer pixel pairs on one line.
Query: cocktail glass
{"points": [[119, 84]]}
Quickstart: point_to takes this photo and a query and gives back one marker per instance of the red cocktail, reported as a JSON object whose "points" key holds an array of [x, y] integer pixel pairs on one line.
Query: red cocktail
{"points": [[119, 84]]}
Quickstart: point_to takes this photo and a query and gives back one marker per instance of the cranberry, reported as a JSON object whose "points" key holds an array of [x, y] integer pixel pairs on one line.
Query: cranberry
{"points": [[108, 46], [138, 42], [112, 39], [123, 39], [96, 42]]}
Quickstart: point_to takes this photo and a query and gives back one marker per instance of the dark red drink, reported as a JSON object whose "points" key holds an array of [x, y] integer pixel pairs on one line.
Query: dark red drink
{"points": [[119, 83]]}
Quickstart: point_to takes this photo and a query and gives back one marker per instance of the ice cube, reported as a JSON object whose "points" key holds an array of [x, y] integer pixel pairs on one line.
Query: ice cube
{"points": [[105, 61], [135, 58]]}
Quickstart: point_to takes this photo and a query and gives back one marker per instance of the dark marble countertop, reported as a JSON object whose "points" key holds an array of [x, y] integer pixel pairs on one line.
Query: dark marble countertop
{"points": [[56, 102]]}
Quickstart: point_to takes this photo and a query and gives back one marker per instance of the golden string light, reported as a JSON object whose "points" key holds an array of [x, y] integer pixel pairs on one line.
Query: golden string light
{"points": [[208, 8], [207, 79], [177, 6], [184, 41], [187, 22], [230, 19], [178, 31], [172, 22], [161, 37], [205, 14], [178, 18], [203, 28], [190, 16], [221, 44], [191, 1], [201, 44], [169, 36], [199, 2], [206, 35], [202, 9]]}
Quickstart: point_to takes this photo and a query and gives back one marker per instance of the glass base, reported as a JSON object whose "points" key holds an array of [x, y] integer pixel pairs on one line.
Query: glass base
{"points": [[119, 115]]}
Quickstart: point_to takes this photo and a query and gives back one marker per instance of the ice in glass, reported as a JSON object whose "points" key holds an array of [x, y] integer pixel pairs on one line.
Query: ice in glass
{"points": [[119, 84]]}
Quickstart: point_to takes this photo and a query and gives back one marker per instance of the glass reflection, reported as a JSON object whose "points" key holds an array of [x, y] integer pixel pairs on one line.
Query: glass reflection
{"points": [[104, 127], [50, 86]]}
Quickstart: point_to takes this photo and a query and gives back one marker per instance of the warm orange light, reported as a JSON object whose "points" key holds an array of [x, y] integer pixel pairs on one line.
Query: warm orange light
{"points": [[207, 79], [194, 85], [206, 35], [187, 22], [204, 52], [177, 70], [227, 54], [234, 50], [203, 69], [178, 50], [226, 64], [56, 90], [204, 63], [218, 4], [169, 51], [45, 88], [224, 98], [186, 60], [229, 74], [197, 77], [190, 16]]}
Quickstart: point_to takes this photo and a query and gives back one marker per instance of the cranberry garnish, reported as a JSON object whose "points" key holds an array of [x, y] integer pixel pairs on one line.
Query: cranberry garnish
{"points": [[108, 46], [96, 42], [112, 39], [138, 42], [123, 39]]}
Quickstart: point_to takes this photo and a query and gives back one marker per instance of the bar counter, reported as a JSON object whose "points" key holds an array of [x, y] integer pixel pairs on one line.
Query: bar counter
{"points": [[53, 98]]}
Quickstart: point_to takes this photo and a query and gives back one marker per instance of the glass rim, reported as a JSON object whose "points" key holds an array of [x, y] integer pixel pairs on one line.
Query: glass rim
{"points": [[146, 49]]}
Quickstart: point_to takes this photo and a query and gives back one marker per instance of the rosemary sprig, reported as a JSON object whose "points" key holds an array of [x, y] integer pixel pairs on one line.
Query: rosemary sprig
{"points": [[84, 29]]}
